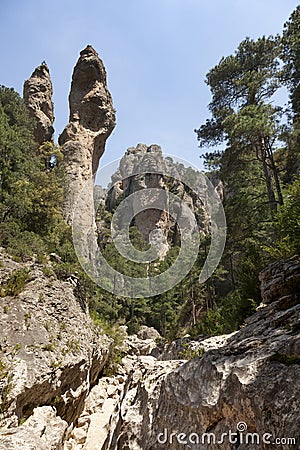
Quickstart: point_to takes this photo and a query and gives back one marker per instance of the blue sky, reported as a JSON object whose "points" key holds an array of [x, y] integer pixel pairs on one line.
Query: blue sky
{"points": [[156, 52]]}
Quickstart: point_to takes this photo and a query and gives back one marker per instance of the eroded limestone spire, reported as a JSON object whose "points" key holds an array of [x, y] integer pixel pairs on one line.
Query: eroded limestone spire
{"points": [[92, 119], [37, 94]]}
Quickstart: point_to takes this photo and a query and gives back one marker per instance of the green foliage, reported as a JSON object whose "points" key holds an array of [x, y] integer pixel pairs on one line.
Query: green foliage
{"points": [[64, 270], [189, 353], [262, 223], [15, 283], [118, 335], [50, 347], [291, 76], [286, 227], [285, 359], [3, 370], [291, 57], [22, 245], [226, 317], [242, 86], [32, 193]]}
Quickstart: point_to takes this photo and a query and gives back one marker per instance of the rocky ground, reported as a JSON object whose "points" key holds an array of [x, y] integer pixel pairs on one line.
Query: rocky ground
{"points": [[157, 398], [50, 350]]}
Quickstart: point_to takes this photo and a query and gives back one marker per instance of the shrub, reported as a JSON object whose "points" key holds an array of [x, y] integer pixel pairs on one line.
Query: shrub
{"points": [[15, 284]]}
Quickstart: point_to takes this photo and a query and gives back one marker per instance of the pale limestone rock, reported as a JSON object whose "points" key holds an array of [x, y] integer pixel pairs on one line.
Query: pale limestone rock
{"points": [[92, 119], [42, 431], [106, 398], [83, 421], [148, 333], [251, 376], [51, 349], [79, 435], [37, 94], [143, 168], [187, 346], [136, 346]]}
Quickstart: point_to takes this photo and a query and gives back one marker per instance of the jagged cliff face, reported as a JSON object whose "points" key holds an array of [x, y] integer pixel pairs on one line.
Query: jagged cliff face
{"points": [[92, 119], [37, 94], [144, 168], [50, 350], [246, 382]]}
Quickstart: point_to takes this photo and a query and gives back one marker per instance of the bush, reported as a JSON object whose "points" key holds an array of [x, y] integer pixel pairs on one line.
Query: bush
{"points": [[286, 242], [15, 284], [22, 245], [118, 336]]}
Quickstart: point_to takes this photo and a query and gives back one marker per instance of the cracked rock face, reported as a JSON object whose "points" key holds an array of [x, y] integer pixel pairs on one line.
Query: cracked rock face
{"points": [[42, 431], [50, 350], [144, 168], [249, 377], [92, 119], [37, 94], [252, 378]]}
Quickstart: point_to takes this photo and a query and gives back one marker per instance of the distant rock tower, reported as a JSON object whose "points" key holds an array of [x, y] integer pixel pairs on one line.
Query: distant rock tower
{"points": [[37, 94]]}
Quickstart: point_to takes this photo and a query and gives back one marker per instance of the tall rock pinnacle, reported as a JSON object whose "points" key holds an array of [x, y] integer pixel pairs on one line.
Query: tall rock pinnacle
{"points": [[92, 119], [37, 94]]}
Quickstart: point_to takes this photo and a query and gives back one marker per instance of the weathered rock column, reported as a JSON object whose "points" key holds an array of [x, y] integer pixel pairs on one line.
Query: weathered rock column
{"points": [[92, 119], [37, 94]]}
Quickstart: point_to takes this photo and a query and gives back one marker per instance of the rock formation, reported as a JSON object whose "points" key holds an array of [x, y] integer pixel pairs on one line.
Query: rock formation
{"points": [[144, 168], [92, 119], [254, 378], [44, 430], [246, 382], [51, 353], [37, 94]]}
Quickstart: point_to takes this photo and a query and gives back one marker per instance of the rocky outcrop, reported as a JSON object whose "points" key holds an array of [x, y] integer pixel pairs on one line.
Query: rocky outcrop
{"points": [[130, 179], [98, 426], [51, 353], [44, 430], [251, 384], [37, 94], [282, 278], [143, 168], [241, 391], [92, 119]]}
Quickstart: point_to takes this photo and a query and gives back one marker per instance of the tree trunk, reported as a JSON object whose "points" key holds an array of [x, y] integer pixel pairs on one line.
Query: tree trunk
{"points": [[275, 171], [193, 309], [262, 157]]}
